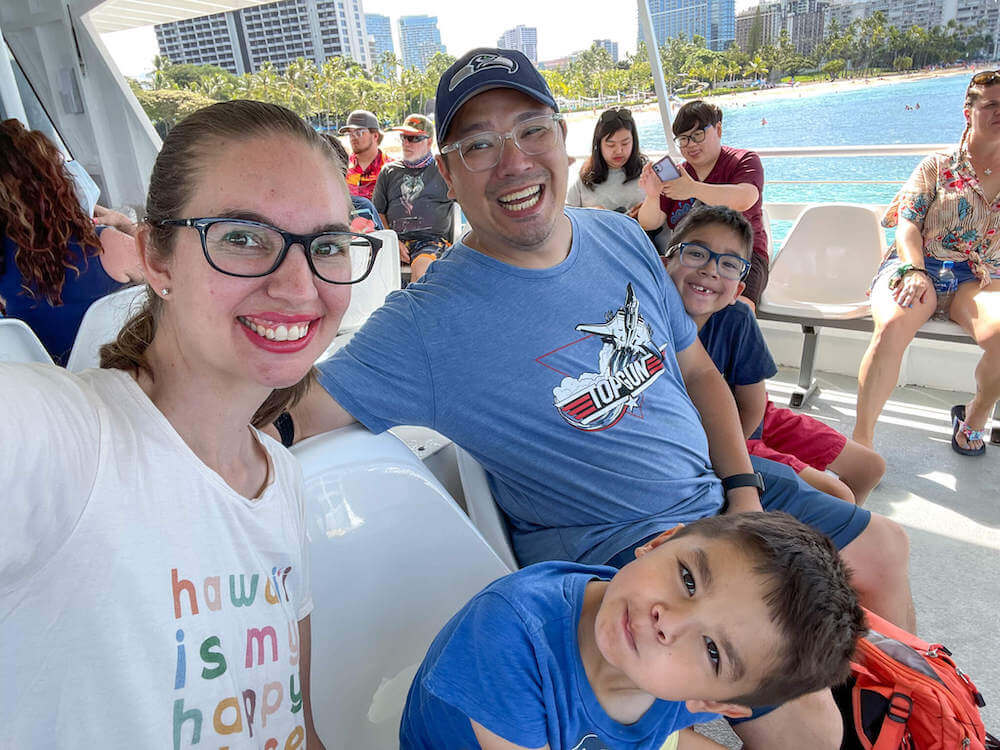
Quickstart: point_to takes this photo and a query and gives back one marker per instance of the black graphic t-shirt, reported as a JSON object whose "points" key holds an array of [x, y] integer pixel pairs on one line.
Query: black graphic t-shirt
{"points": [[414, 201]]}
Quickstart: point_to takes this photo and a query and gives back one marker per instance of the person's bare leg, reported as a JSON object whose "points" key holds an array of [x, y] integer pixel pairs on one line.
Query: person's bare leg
{"points": [[978, 312], [811, 721], [895, 328], [827, 483], [691, 740], [860, 468], [418, 265], [879, 558]]}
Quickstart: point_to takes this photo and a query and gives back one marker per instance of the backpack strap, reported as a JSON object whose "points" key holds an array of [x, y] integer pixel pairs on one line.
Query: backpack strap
{"points": [[893, 727]]}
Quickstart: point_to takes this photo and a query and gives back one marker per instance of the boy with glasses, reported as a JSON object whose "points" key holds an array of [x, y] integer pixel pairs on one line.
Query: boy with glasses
{"points": [[708, 263], [715, 175], [412, 198]]}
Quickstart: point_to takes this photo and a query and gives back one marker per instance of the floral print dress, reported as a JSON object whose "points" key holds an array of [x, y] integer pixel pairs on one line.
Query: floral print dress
{"points": [[945, 199]]}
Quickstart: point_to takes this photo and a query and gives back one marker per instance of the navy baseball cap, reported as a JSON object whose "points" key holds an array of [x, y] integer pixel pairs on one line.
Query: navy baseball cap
{"points": [[482, 69]]}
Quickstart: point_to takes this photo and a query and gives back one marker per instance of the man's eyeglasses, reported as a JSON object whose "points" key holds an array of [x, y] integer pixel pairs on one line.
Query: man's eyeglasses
{"points": [[482, 151], [986, 78], [696, 137], [248, 249], [415, 138], [696, 255]]}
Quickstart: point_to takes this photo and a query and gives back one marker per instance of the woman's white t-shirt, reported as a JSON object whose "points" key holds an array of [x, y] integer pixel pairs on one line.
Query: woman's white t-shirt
{"points": [[613, 194], [143, 602]]}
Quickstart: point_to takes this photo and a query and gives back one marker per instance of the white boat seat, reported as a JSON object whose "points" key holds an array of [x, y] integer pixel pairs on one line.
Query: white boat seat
{"points": [[18, 343], [101, 324], [393, 558], [483, 510], [368, 296]]}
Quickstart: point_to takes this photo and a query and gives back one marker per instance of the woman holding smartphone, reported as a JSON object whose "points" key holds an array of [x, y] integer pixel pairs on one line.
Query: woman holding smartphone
{"points": [[153, 550], [610, 176]]}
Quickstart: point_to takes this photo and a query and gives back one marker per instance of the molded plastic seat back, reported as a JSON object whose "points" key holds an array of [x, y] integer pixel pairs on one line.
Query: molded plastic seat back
{"points": [[18, 343], [393, 558], [101, 324], [483, 511], [826, 263], [369, 295]]}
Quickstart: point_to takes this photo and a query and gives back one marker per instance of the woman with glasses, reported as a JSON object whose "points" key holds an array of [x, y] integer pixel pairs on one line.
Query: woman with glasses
{"points": [[949, 210], [712, 174], [155, 573], [610, 177], [55, 262]]}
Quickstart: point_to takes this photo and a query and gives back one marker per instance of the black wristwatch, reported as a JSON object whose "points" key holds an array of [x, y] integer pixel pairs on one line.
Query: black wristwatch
{"points": [[741, 480]]}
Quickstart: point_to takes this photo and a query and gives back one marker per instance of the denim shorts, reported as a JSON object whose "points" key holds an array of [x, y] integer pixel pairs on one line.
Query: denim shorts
{"points": [[960, 268]]}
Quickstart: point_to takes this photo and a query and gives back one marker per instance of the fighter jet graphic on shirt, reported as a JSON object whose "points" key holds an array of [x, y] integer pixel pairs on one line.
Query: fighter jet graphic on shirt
{"points": [[625, 334]]}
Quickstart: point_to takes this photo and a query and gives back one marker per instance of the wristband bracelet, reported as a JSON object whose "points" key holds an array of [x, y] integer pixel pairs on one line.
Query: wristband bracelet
{"points": [[897, 276]]}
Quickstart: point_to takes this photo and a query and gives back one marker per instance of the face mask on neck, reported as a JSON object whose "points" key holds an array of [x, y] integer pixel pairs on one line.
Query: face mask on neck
{"points": [[87, 191]]}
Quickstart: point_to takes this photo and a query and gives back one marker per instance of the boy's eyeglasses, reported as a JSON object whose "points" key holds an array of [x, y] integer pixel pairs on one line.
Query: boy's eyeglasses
{"points": [[248, 249], [986, 78], [696, 137], [415, 138], [534, 136], [696, 255]]}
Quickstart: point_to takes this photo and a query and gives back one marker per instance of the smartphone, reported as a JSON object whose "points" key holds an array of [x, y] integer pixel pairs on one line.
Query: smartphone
{"points": [[666, 170]]}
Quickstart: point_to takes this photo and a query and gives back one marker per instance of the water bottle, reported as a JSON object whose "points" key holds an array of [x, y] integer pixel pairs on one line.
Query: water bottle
{"points": [[945, 285]]}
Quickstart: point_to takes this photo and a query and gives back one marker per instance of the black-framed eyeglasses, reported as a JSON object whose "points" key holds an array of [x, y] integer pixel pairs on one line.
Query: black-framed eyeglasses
{"points": [[697, 255], [248, 249], [696, 137], [985, 78], [481, 151], [415, 138]]}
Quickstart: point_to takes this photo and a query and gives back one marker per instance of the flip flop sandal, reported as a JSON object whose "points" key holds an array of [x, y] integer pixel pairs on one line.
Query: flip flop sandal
{"points": [[958, 425]]}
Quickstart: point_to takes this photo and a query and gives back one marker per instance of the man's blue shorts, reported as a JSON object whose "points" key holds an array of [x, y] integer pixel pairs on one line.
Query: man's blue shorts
{"points": [[840, 520]]}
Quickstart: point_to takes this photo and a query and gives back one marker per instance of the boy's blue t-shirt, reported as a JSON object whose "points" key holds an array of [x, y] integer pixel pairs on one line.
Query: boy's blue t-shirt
{"points": [[736, 345], [510, 660], [562, 382]]}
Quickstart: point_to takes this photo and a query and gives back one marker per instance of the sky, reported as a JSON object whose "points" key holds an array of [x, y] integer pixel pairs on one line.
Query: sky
{"points": [[564, 26]]}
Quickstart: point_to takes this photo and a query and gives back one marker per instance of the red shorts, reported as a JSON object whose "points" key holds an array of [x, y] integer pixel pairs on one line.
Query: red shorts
{"points": [[796, 440]]}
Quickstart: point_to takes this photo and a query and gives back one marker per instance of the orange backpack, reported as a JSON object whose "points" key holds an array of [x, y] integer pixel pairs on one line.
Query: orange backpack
{"points": [[906, 694]]}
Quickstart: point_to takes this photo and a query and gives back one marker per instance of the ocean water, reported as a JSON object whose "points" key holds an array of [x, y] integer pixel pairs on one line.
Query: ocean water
{"points": [[866, 116]]}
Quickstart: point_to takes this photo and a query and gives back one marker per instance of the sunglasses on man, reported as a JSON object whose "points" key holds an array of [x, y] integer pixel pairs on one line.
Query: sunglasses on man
{"points": [[415, 138], [986, 78]]}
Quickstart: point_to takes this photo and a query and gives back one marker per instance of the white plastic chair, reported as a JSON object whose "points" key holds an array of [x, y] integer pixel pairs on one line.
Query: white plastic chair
{"points": [[18, 343], [820, 276], [393, 558], [101, 324], [483, 510], [369, 295], [826, 263]]}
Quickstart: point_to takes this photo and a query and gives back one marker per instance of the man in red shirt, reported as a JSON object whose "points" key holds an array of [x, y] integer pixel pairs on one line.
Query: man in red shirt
{"points": [[712, 174], [366, 159]]}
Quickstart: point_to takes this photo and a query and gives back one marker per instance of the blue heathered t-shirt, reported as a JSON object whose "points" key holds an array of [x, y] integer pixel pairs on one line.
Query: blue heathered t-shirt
{"points": [[510, 660], [553, 380], [736, 345]]}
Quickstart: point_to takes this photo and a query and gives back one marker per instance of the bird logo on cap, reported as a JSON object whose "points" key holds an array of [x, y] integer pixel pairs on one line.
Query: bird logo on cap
{"points": [[482, 62]]}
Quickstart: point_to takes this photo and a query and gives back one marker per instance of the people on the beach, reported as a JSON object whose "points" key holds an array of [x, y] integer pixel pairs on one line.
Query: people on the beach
{"points": [[573, 374], [945, 211], [55, 262], [715, 175], [708, 259], [609, 178], [156, 584], [714, 618]]}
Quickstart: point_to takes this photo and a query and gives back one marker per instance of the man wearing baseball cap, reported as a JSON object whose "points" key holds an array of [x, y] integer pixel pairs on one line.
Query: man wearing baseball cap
{"points": [[367, 158], [550, 344], [412, 198]]}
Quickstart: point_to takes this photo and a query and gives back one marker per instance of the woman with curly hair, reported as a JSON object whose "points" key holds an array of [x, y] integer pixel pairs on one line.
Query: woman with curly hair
{"points": [[55, 262]]}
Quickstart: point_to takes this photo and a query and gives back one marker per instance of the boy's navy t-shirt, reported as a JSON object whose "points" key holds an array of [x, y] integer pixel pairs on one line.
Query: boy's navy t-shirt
{"points": [[736, 345], [562, 382], [510, 660]]}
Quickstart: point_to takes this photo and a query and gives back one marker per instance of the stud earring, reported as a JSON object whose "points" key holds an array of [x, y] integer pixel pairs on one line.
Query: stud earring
{"points": [[165, 291]]}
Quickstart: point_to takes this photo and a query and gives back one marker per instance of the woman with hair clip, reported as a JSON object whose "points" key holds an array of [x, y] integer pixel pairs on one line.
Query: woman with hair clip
{"points": [[55, 263], [949, 210], [155, 576], [609, 178]]}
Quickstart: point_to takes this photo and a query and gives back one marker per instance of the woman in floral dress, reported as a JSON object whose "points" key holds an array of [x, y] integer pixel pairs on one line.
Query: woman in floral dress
{"points": [[949, 209]]}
